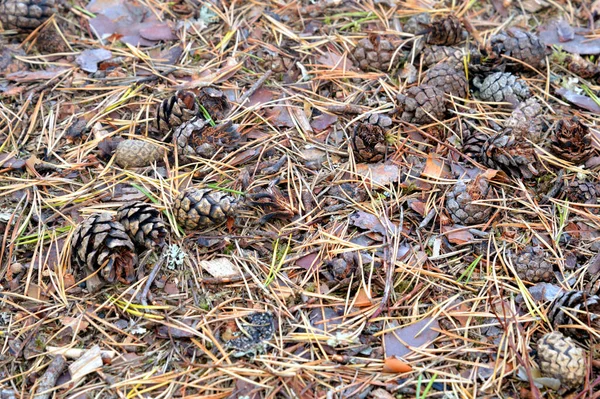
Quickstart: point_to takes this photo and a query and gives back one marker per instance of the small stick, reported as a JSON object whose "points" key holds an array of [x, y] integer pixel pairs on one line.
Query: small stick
{"points": [[48, 380], [347, 109], [224, 280], [151, 277], [255, 87]]}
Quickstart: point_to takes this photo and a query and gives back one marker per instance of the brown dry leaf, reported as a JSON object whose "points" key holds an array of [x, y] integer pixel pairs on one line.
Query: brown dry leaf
{"points": [[382, 174], [572, 40], [88, 60], [323, 121], [335, 60], [77, 324], [309, 262], [458, 234], [399, 341], [417, 206], [220, 267], [260, 96], [394, 365], [32, 76], [579, 100], [229, 69], [436, 168], [368, 221], [362, 299], [301, 119]]}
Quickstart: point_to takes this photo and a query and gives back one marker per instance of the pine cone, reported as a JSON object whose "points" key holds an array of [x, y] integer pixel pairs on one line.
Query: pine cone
{"points": [[197, 138], [515, 156], [368, 140], [502, 87], [521, 45], [143, 224], [195, 208], [214, 102], [586, 308], [137, 154], [560, 358], [580, 66], [433, 55], [100, 242], [459, 202], [526, 121], [374, 53], [8, 62], [447, 78], [445, 32], [419, 102], [531, 265], [50, 41], [279, 59], [25, 14], [417, 23], [176, 110], [473, 145], [572, 141], [582, 192]]}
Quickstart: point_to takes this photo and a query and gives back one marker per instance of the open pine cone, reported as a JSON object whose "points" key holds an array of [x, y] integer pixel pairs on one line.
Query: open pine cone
{"points": [[197, 138], [445, 31], [433, 55], [368, 139], [502, 87], [143, 223], [459, 202], [214, 102], [572, 141], [374, 52], [511, 154], [449, 78], [420, 103], [25, 14], [520, 45], [526, 120], [100, 242], [560, 358], [195, 208], [176, 110], [584, 307]]}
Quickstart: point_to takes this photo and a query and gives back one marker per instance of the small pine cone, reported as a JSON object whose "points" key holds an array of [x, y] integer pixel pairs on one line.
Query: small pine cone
{"points": [[526, 121], [572, 141], [447, 78], [214, 102], [560, 358], [195, 208], [433, 55], [521, 45], [531, 265], [368, 139], [50, 41], [197, 138], [374, 53], [473, 145], [176, 110], [582, 192], [143, 224], [419, 102], [459, 202], [502, 87], [580, 66], [586, 308], [445, 32], [137, 154], [100, 242], [506, 152], [25, 14]]}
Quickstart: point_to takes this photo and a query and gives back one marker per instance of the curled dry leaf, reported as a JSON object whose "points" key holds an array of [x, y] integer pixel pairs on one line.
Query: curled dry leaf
{"points": [[394, 365], [579, 100]]}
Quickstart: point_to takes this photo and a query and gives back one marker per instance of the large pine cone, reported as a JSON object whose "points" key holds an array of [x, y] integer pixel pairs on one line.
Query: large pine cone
{"points": [[215, 102], [502, 87], [560, 358], [176, 110], [25, 14], [368, 139], [531, 265], [445, 32], [459, 202], [143, 224], [203, 207], [198, 139], [511, 154], [572, 141], [100, 242], [419, 102], [448, 78], [374, 52], [521, 45], [584, 307]]}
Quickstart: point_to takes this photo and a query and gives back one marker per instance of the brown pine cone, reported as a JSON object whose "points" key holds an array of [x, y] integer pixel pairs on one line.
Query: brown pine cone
{"points": [[560, 358], [137, 154], [526, 120], [143, 224], [473, 145], [195, 208], [214, 102], [580, 66], [511, 154], [197, 138], [447, 78], [459, 202], [100, 242], [433, 55], [50, 41], [419, 102], [572, 141], [521, 45], [374, 52], [586, 308], [279, 59], [417, 23], [531, 265], [176, 110], [368, 139], [582, 192], [25, 14], [502, 87], [445, 31]]}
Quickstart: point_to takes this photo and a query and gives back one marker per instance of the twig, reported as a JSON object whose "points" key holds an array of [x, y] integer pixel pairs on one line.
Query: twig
{"points": [[347, 109], [48, 380], [151, 277], [254, 87]]}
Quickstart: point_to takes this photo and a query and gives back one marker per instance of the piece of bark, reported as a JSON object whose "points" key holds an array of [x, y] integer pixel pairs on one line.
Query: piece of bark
{"points": [[90, 361], [48, 380], [74, 353]]}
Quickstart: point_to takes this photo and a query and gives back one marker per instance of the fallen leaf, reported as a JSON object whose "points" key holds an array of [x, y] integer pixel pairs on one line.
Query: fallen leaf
{"points": [[394, 365], [220, 267], [229, 69], [362, 299], [76, 323], [382, 174], [310, 262], [323, 121], [368, 221], [171, 331], [458, 234], [335, 60], [534, 6], [324, 319], [260, 96], [579, 100], [572, 40], [436, 168], [399, 341], [88, 60], [417, 206], [280, 116], [32, 76], [544, 291]]}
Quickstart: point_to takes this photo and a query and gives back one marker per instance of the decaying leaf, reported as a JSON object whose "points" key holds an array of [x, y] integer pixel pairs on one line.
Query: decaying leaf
{"points": [[88, 60], [400, 341], [220, 267]]}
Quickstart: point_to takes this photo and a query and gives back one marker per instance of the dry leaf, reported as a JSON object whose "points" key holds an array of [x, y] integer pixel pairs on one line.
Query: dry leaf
{"points": [[394, 365], [458, 234], [362, 299], [580, 100], [572, 40], [220, 267], [399, 342], [382, 174], [76, 323], [436, 168], [88, 60]]}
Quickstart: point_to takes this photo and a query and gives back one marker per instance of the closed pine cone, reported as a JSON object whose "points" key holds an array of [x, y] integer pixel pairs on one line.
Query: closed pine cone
{"points": [[50, 41], [583, 306], [459, 202], [448, 78], [572, 141], [368, 139], [445, 31], [502, 87], [25, 15], [100, 242], [195, 208], [433, 55], [198, 139], [526, 120], [560, 358], [531, 265], [374, 52], [137, 154], [176, 110], [511, 154], [419, 102], [521, 45], [143, 224]]}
